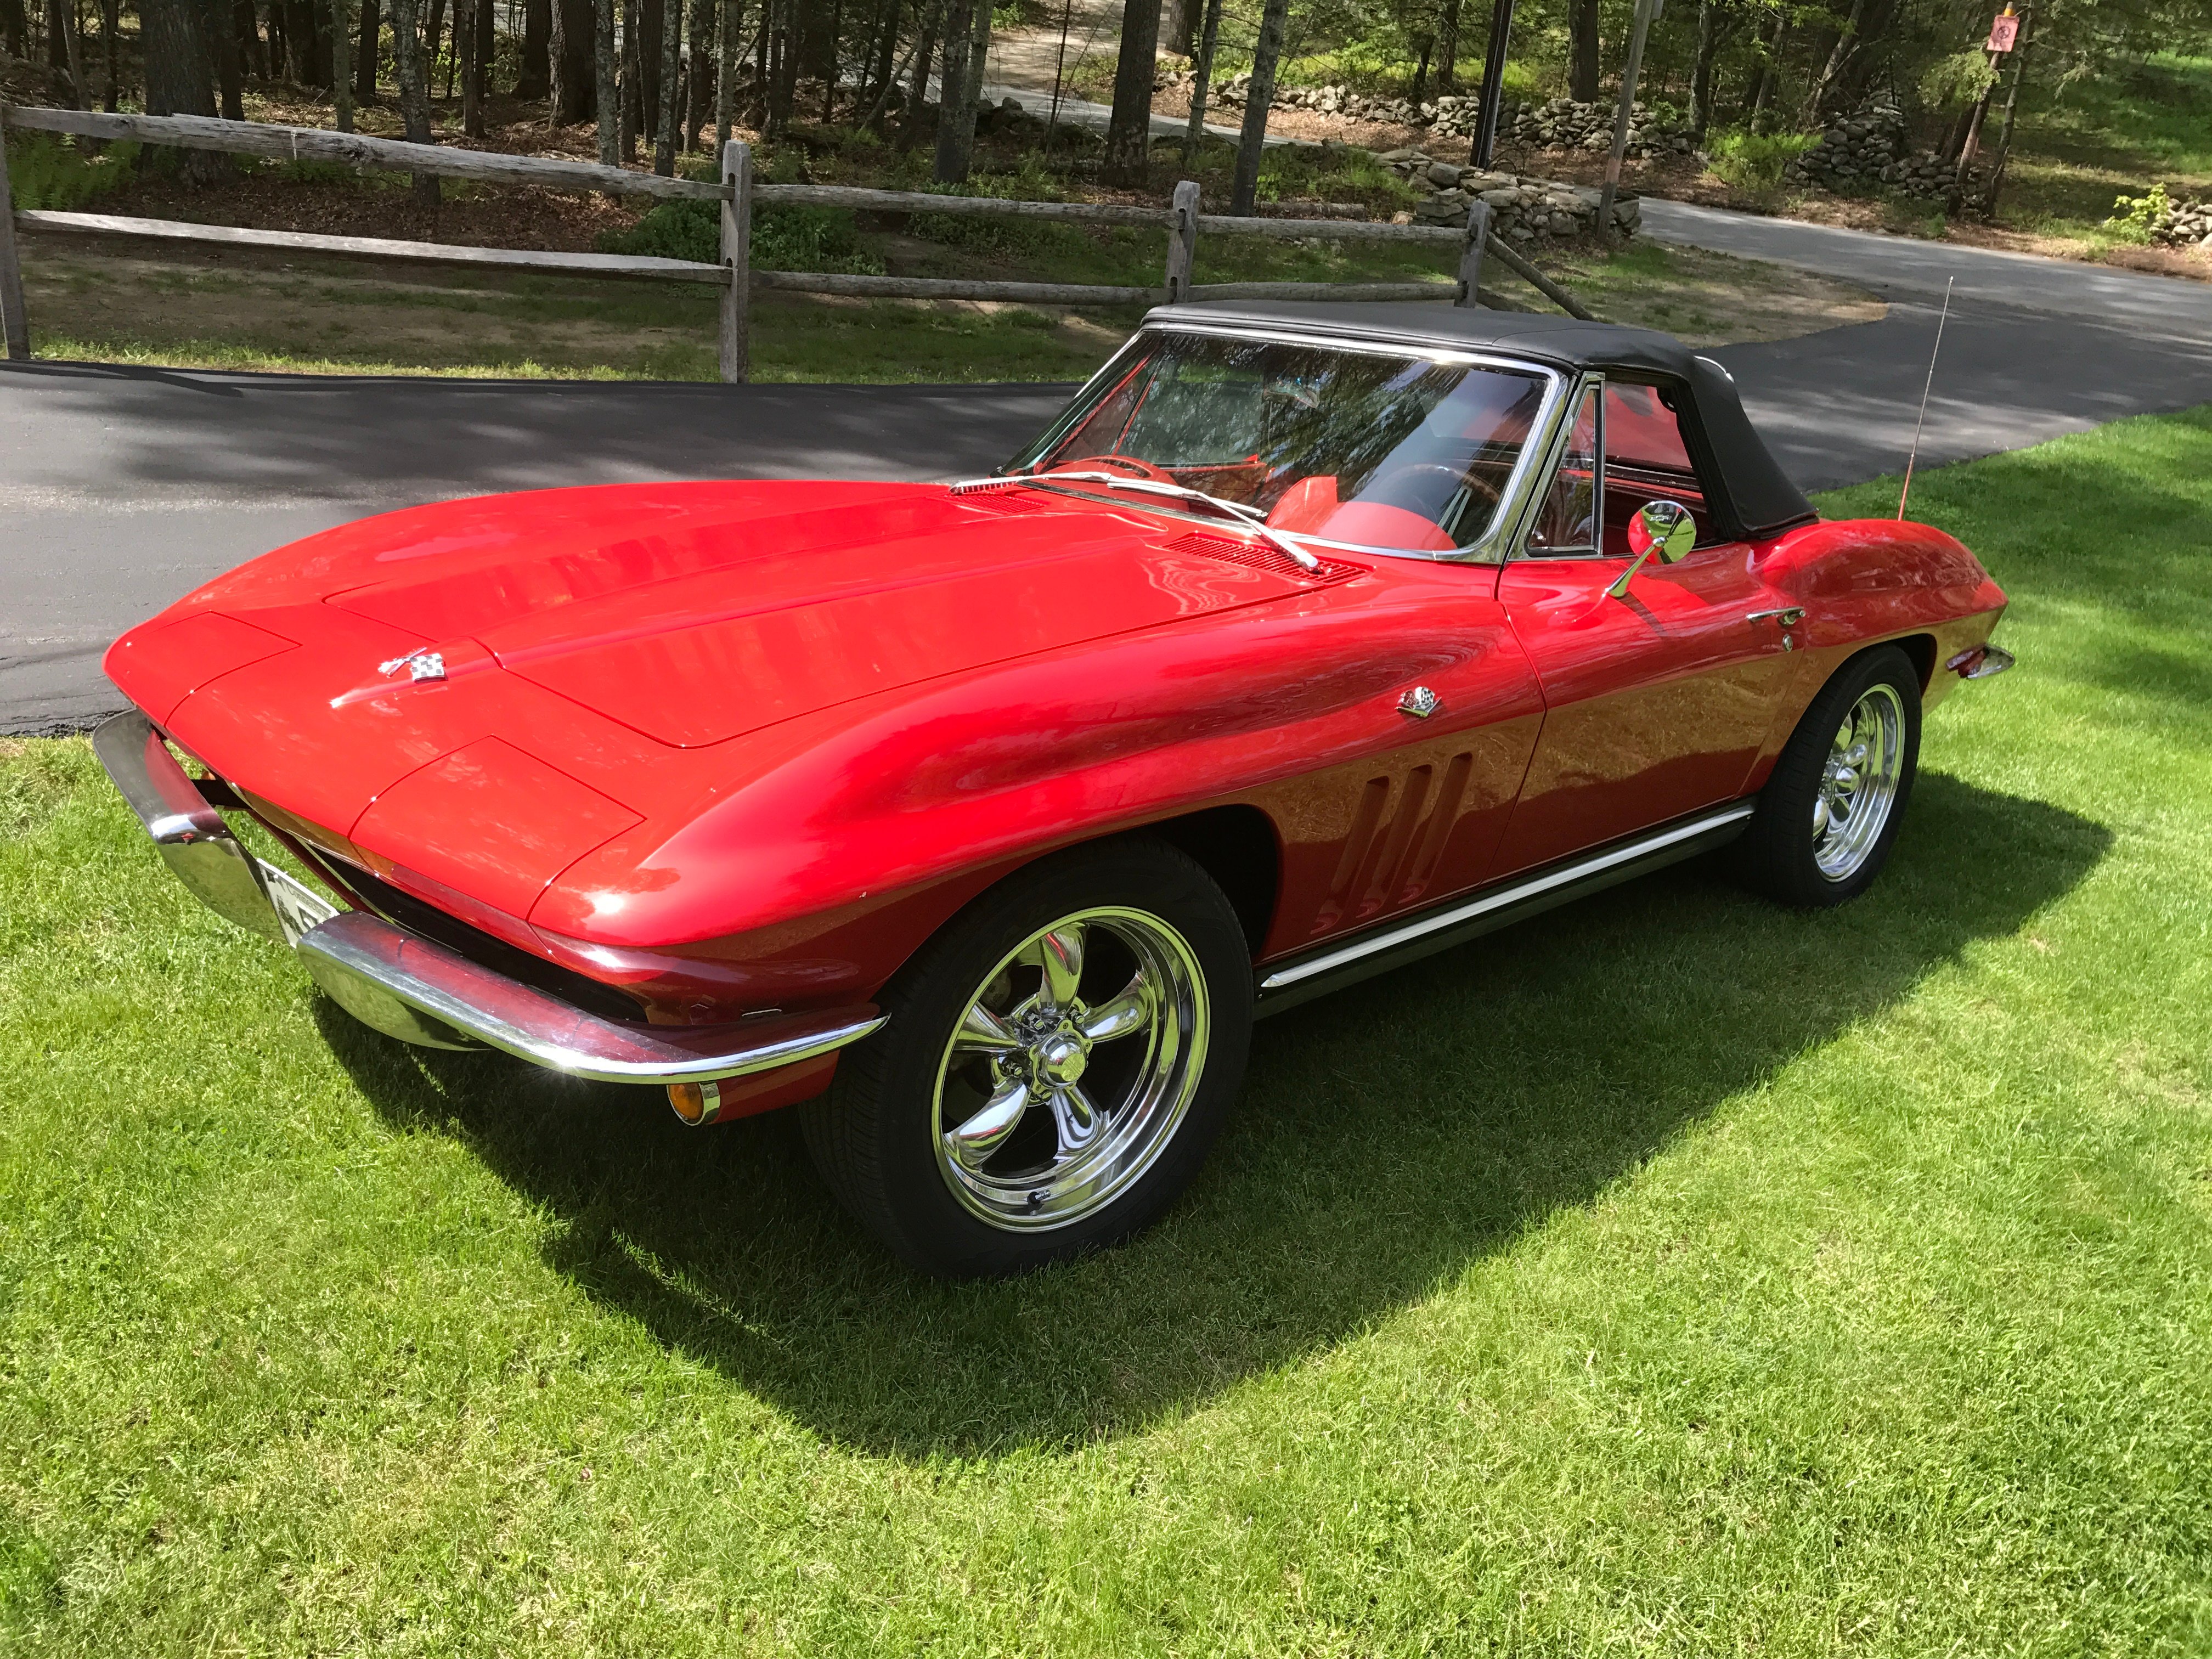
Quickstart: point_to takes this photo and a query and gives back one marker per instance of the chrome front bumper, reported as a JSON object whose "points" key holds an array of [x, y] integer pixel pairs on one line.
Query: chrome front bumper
{"points": [[416, 990]]}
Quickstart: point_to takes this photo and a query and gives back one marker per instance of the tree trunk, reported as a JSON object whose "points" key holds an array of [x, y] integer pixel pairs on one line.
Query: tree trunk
{"points": [[910, 120], [726, 73], [825, 59], [1254, 137], [372, 52], [606, 96], [468, 42], [1180, 22], [276, 39], [342, 62], [57, 39], [1701, 71], [111, 20], [1582, 51], [180, 79], [1447, 46], [651, 14], [245, 24], [1129, 130], [433, 35], [574, 57], [886, 54], [15, 28], [414, 88], [1201, 74], [536, 80], [1770, 71], [73, 49], [633, 80], [699, 81], [1846, 42], [956, 104], [671, 42]]}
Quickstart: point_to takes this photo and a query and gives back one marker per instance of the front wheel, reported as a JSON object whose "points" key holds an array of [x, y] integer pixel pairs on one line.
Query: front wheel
{"points": [[1831, 809], [1055, 1067]]}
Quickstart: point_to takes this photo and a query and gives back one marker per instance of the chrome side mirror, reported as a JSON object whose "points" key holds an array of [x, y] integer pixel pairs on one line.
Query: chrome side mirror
{"points": [[1661, 530]]}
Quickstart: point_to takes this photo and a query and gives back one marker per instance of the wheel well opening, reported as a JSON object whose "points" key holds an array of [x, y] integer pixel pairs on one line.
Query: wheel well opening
{"points": [[1921, 647], [1238, 846]]}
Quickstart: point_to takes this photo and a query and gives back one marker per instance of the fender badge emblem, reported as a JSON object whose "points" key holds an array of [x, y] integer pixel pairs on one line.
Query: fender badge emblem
{"points": [[1420, 702], [423, 664]]}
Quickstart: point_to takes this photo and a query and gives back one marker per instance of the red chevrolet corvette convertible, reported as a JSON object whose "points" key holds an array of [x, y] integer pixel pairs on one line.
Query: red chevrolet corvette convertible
{"points": [[985, 818]]}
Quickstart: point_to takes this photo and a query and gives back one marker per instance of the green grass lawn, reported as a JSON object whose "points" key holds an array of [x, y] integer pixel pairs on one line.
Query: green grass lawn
{"points": [[1679, 1276]]}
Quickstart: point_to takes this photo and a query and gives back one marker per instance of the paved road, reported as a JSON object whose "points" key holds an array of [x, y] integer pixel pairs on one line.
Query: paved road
{"points": [[121, 489], [1894, 266]]}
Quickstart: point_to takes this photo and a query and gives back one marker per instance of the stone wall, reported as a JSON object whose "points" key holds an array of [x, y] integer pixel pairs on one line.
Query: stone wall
{"points": [[1870, 151], [2190, 225], [1561, 124], [1523, 210]]}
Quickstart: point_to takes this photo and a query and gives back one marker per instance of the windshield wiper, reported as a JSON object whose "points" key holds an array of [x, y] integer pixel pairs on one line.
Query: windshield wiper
{"points": [[1250, 517]]}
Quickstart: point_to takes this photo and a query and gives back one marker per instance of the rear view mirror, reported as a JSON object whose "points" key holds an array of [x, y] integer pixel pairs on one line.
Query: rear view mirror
{"points": [[1661, 530]]}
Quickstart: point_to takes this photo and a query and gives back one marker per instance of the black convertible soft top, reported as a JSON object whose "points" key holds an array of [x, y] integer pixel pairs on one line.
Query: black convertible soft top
{"points": [[1752, 497]]}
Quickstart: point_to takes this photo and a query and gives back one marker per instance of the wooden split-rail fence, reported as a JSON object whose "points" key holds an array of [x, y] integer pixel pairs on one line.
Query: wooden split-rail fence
{"points": [[738, 196]]}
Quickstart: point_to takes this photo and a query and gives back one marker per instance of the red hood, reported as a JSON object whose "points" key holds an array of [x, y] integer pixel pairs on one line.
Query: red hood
{"points": [[607, 650]]}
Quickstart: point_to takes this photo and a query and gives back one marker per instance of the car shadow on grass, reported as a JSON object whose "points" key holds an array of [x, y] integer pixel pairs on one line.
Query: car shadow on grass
{"points": [[1386, 1138]]}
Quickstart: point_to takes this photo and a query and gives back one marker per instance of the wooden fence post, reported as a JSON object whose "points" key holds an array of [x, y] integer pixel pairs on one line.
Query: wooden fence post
{"points": [[13, 322], [1470, 254], [1182, 241], [737, 250]]}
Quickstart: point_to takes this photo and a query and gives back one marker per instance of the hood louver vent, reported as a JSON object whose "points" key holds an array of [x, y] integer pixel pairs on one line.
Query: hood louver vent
{"points": [[1258, 556], [1007, 501]]}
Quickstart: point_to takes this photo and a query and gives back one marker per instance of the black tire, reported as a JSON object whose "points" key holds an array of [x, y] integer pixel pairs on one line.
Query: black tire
{"points": [[875, 1135], [1781, 853]]}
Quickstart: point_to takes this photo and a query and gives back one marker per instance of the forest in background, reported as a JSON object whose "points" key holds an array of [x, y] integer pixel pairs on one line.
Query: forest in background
{"points": [[1745, 71]]}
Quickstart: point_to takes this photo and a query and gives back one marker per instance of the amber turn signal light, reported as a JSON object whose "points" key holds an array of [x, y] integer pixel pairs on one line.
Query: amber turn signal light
{"points": [[696, 1104]]}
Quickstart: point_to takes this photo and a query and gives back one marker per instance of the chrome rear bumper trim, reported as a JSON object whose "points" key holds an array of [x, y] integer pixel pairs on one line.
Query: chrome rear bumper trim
{"points": [[406, 986]]}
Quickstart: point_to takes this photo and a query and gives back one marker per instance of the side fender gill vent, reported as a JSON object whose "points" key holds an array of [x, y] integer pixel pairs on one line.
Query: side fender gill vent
{"points": [[1391, 854], [1007, 501], [1258, 556]]}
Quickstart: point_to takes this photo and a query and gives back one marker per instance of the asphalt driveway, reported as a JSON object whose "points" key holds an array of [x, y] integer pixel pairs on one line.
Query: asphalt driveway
{"points": [[121, 489]]}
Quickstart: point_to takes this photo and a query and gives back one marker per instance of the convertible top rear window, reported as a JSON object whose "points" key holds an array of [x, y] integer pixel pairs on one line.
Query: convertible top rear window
{"points": [[1377, 449]]}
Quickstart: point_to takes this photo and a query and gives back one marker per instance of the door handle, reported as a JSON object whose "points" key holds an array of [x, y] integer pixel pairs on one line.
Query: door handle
{"points": [[1789, 615]]}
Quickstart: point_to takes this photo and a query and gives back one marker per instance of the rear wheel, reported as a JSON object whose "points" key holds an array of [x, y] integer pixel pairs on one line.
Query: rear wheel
{"points": [[1832, 810], [1054, 1066]]}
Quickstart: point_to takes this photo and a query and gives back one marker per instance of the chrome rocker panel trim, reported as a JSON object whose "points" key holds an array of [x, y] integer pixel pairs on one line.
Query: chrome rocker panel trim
{"points": [[420, 992], [1403, 939]]}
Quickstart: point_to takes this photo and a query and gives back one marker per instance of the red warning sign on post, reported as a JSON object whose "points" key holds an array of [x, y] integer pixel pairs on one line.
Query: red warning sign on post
{"points": [[2003, 32]]}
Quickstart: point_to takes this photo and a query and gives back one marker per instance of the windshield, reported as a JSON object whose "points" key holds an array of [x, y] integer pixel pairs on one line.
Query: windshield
{"points": [[1365, 449]]}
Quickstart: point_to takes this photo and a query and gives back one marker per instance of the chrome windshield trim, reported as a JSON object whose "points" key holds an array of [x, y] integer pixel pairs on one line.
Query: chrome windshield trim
{"points": [[1515, 501], [366, 963], [1499, 898]]}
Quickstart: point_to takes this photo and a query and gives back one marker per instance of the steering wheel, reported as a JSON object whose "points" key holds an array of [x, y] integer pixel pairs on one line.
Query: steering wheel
{"points": [[1401, 487], [1130, 464]]}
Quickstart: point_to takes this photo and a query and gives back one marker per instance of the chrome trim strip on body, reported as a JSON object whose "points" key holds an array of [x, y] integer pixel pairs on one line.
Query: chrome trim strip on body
{"points": [[361, 959], [1560, 882], [412, 988]]}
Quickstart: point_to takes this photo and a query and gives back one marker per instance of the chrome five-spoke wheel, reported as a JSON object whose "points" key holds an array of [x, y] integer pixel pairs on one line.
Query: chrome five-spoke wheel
{"points": [[1051, 1066], [1831, 808], [1071, 1067], [1858, 784]]}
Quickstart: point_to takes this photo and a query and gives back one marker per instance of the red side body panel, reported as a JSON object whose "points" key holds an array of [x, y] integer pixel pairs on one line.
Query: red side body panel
{"points": [[730, 746]]}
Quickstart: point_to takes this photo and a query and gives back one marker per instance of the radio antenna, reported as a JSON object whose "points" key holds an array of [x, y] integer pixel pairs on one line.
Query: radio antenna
{"points": [[1915, 455]]}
